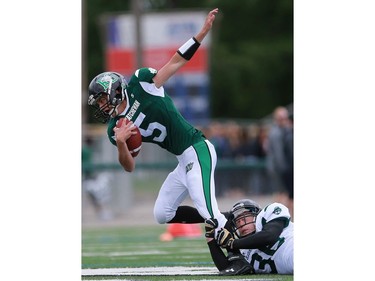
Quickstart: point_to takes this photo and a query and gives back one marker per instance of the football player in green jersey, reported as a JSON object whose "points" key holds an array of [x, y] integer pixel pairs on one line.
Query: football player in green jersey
{"points": [[145, 103]]}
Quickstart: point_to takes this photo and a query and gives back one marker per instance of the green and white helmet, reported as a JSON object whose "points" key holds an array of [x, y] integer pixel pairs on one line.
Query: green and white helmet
{"points": [[109, 84]]}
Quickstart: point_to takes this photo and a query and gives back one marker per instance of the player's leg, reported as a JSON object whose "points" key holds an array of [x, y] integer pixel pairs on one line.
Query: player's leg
{"points": [[187, 214], [171, 194], [200, 163]]}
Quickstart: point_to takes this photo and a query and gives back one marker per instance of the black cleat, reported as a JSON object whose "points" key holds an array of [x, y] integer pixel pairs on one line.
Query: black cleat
{"points": [[237, 266]]}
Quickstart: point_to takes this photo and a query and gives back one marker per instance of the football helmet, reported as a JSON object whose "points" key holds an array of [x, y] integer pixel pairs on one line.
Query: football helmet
{"points": [[240, 210], [110, 85]]}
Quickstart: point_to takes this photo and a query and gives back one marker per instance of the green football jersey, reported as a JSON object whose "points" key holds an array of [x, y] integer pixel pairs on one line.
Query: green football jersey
{"points": [[153, 112]]}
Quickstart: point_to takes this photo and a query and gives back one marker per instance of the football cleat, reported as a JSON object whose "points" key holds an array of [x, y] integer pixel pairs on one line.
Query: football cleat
{"points": [[237, 266]]}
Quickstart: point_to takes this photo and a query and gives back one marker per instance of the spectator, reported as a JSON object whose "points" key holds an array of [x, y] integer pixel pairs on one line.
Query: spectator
{"points": [[218, 138], [234, 136], [255, 151], [276, 158], [288, 172]]}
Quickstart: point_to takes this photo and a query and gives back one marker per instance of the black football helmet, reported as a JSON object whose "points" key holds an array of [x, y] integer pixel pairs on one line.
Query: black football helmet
{"points": [[109, 84], [241, 209]]}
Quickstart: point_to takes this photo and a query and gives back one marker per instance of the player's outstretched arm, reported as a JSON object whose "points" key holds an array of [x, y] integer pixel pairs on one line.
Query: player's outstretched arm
{"points": [[185, 52], [267, 236]]}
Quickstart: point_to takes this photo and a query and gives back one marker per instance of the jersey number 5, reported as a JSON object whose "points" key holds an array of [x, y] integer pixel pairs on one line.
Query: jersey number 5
{"points": [[152, 127]]}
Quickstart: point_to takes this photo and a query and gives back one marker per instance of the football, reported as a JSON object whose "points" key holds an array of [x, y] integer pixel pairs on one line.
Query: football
{"points": [[135, 141]]}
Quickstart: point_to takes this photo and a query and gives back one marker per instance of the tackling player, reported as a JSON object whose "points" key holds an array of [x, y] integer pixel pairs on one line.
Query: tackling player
{"points": [[146, 104], [265, 240]]}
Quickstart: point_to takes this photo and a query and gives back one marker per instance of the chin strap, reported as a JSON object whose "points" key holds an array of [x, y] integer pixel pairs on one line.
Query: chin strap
{"points": [[113, 111], [116, 110]]}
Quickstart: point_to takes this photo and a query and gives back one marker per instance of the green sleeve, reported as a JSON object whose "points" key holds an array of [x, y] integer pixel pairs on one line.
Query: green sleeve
{"points": [[146, 74]]}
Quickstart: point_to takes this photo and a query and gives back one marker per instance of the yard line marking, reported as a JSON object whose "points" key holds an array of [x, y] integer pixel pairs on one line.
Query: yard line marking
{"points": [[135, 271], [219, 278], [159, 271]]}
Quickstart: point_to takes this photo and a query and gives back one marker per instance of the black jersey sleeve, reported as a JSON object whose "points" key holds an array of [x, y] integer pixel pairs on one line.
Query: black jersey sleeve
{"points": [[267, 236], [218, 256]]}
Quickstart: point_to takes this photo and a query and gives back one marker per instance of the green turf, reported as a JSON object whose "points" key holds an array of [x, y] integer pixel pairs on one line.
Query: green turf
{"points": [[119, 247]]}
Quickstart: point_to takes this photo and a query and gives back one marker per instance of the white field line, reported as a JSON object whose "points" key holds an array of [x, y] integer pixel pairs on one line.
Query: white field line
{"points": [[219, 278], [163, 271]]}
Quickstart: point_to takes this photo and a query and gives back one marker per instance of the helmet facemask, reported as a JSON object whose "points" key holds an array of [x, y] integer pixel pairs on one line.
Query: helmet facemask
{"points": [[243, 213], [100, 113], [243, 219]]}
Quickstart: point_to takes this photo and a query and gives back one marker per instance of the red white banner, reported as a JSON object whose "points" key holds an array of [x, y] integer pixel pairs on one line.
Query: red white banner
{"points": [[161, 35]]}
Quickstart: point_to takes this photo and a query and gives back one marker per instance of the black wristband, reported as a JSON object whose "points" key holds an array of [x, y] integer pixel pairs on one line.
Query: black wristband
{"points": [[189, 48]]}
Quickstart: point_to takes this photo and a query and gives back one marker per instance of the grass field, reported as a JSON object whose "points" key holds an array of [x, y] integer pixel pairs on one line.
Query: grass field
{"points": [[135, 253]]}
